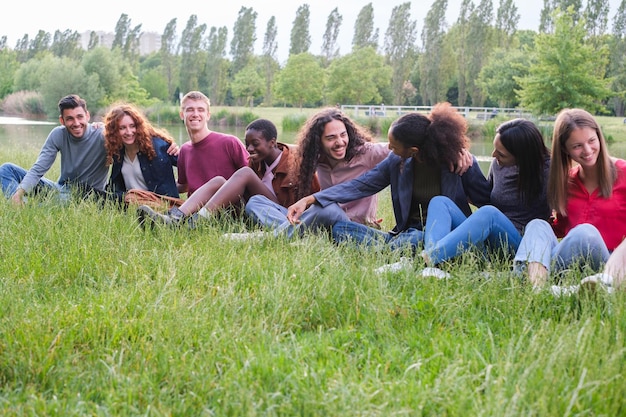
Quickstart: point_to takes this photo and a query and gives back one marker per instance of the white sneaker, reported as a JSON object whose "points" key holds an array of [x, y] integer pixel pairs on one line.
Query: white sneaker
{"points": [[435, 272], [600, 280], [245, 236], [402, 264], [562, 291]]}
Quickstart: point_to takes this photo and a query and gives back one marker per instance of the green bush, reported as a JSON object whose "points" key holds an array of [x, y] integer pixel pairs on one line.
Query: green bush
{"points": [[27, 104], [163, 114], [293, 122]]}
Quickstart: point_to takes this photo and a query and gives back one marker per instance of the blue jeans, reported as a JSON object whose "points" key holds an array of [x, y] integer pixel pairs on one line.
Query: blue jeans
{"points": [[12, 175], [273, 216], [582, 244], [349, 231], [449, 233]]}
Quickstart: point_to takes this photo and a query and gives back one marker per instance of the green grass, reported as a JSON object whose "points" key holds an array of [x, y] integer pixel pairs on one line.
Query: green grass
{"points": [[98, 317]]}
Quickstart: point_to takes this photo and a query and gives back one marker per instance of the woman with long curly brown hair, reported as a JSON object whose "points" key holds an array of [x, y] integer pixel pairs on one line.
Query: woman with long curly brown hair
{"points": [[142, 156], [424, 148]]}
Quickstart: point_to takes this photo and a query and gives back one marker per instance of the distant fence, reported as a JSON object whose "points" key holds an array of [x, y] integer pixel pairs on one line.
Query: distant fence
{"points": [[483, 113]]}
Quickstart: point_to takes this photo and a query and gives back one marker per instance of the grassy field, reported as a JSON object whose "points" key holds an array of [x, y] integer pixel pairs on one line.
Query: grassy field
{"points": [[99, 317]]}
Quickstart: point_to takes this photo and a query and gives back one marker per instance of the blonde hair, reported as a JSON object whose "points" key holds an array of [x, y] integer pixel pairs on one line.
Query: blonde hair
{"points": [[567, 121]]}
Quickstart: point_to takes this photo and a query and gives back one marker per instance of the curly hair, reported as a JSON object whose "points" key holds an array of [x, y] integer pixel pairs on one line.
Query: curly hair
{"points": [[310, 144], [143, 136], [440, 136]]}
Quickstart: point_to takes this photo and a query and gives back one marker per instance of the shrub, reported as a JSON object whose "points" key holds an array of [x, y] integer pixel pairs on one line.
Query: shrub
{"points": [[293, 122], [26, 104]]}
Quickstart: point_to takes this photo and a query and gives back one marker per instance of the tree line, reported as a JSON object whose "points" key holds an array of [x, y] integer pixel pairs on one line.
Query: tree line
{"points": [[481, 59]]}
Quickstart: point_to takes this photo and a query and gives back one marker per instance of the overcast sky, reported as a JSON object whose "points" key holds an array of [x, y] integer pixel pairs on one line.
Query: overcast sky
{"points": [[28, 17]]}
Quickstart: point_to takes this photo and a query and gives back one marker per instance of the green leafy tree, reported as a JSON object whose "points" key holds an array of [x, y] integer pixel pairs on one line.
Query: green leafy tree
{"points": [[432, 86], [169, 57], [40, 44], [67, 44], [457, 40], [565, 70], [507, 19], [268, 59], [364, 33], [301, 81], [192, 58], [217, 65], [29, 76], [479, 46], [106, 64], [617, 61], [330, 49], [300, 39], [94, 41], [596, 17], [545, 17], [499, 76], [244, 36], [63, 76], [131, 46], [155, 84], [400, 48], [248, 84], [8, 68], [365, 86], [21, 47], [122, 27]]}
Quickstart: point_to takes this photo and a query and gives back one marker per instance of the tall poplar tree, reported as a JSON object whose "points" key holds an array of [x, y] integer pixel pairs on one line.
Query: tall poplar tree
{"points": [[479, 47], [545, 17], [617, 61], [300, 39], [459, 40], [432, 87], [507, 19], [596, 17], [122, 27], [268, 59], [244, 36], [169, 54], [66, 44], [217, 65], [364, 33], [192, 63], [330, 49], [400, 48]]}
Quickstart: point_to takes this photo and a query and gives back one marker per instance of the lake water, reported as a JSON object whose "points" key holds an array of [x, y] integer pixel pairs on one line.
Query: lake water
{"points": [[32, 134]]}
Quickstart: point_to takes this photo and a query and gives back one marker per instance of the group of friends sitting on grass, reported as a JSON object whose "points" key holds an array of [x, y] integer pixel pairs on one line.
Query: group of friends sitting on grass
{"points": [[550, 211]]}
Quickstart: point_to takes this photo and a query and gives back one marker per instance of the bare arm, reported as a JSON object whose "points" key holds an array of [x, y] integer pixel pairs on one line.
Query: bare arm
{"points": [[295, 210]]}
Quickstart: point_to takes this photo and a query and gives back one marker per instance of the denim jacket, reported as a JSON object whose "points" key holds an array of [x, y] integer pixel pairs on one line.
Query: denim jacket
{"points": [[158, 172], [471, 187]]}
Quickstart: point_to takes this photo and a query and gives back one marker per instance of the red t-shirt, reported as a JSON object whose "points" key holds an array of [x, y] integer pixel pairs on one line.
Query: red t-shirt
{"points": [[607, 215], [218, 154]]}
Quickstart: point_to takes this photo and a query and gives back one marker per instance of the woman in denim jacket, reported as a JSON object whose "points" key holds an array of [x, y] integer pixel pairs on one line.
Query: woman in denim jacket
{"points": [[142, 156]]}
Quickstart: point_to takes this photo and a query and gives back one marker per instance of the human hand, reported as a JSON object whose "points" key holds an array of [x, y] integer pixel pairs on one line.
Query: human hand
{"points": [[18, 198], [295, 210], [173, 149], [464, 163]]}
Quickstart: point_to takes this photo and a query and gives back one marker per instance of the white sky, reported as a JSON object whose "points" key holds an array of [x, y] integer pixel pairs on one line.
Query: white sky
{"points": [[28, 17]]}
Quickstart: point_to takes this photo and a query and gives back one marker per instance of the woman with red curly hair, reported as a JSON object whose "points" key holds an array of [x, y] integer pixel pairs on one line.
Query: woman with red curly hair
{"points": [[142, 156]]}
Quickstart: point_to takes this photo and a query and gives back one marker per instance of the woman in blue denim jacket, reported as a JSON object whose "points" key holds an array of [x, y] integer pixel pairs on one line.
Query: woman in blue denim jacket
{"points": [[418, 168], [142, 156]]}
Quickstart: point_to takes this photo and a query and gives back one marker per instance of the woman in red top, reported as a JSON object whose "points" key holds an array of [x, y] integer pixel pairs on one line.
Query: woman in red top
{"points": [[587, 192], [271, 173]]}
